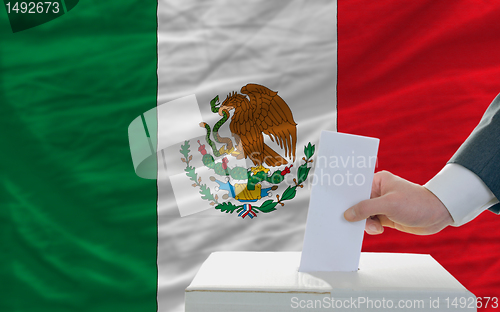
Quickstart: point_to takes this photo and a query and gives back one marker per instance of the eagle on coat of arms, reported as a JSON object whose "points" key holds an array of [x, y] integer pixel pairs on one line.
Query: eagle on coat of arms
{"points": [[263, 112]]}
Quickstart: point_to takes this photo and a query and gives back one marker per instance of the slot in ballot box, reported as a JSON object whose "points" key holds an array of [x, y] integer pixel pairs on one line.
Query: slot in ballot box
{"points": [[270, 281]]}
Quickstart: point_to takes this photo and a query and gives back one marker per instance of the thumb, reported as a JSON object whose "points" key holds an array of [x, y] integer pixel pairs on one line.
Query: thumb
{"points": [[367, 208]]}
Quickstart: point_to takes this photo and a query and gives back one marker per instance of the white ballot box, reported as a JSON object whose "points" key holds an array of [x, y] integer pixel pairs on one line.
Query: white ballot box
{"points": [[270, 281]]}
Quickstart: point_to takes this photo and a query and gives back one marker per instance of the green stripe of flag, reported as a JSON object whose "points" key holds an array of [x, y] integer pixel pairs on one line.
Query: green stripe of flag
{"points": [[79, 228]]}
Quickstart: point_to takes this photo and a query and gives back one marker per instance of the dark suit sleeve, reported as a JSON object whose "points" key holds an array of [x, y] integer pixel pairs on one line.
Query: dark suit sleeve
{"points": [[480, 153]]}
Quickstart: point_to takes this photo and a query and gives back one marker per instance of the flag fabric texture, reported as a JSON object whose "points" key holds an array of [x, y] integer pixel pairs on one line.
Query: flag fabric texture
{"points": [[82, 232], [419, 76]]}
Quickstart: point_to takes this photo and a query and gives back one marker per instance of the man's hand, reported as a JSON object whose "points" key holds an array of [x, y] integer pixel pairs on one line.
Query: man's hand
{"points": [[400, 204]]}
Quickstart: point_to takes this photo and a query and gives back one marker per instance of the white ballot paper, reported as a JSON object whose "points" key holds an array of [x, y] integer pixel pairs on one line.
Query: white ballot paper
{"points": [[343, 176]]}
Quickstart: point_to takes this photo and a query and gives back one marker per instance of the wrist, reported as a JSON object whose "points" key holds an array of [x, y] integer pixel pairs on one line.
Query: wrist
{"points": [[442, 217]]}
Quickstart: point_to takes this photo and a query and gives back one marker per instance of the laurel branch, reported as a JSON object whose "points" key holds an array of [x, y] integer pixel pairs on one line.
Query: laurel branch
{"points": [[267, 206]]}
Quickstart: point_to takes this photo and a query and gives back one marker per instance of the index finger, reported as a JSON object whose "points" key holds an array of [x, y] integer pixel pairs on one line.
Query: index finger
{"points": [[366, 208]]}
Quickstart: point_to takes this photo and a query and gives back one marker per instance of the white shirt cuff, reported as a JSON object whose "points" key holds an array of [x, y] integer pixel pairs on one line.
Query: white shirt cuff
{"points": [[462, 192]]}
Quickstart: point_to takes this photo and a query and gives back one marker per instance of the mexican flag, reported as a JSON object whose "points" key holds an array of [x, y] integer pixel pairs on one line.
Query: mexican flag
{"points": [[83, 231]]}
